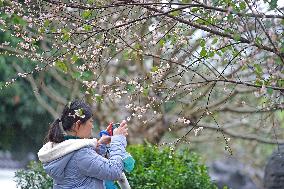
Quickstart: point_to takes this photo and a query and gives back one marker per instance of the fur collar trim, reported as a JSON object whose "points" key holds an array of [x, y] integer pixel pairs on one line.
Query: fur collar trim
{"points": [[51, 151]]}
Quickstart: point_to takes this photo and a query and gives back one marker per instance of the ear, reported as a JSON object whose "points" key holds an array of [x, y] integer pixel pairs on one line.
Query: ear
{"points": [[77, 125]]}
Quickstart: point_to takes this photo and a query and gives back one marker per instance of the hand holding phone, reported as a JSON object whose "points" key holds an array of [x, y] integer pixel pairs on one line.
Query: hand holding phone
{"points": [[121, 129]]}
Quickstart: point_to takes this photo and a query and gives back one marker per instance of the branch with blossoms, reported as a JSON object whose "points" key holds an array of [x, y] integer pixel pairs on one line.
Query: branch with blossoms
{"points": [[216, 32], [281, 89], [192, 5]]}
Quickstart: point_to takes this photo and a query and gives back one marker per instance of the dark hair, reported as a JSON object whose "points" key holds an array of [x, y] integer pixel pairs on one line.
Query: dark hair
{"points": [[72, 112]]}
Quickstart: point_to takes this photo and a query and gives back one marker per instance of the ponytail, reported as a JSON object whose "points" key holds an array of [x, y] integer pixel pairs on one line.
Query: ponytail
{"points": [[55, 132]]}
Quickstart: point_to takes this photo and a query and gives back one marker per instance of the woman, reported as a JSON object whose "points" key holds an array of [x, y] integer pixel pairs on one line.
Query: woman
{"points": [[73, 160]]}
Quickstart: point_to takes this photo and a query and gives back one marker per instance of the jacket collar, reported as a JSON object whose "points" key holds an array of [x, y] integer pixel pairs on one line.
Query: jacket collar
{"points": [[51, 151]]}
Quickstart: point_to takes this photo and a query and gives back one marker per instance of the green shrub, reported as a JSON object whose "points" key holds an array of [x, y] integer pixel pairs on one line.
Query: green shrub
{"points": [[162, 169], [34, 177], [154, 169]]}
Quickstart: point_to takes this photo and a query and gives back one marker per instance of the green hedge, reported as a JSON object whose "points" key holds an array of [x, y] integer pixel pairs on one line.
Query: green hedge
{"points": [[154, 169], [34, 177], [162, 169]]}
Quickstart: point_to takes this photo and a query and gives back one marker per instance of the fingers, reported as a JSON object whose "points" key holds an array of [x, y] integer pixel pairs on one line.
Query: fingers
{"points": [[124, 128], [109, 126], [121, 131], [123, 123], [126, 131], [105, 139]]}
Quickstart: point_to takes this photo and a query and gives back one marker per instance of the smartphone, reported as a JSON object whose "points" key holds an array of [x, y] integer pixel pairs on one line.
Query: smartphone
{"points": [[114, 126]]}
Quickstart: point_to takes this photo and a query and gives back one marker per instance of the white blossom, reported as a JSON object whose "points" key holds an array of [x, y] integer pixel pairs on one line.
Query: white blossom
{"points": [[197, 130]]}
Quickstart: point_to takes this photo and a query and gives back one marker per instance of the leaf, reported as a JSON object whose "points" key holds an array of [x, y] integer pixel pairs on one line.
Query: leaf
{"points": [[244, 67], [130, 87], [203, 52], [79, 61], [87, 27], [18, 20], [137, 46], [74, 58], [46, 23], [162, 42], [154, 68], [175, 13], [66, 36], [87, 75], [227, 30], [230, 17], [53, 30], [90, 1], [269, 91], [211, 54], [223, 50], [258, 82], [79, 112], [273, 4], [200, 21], [61, 66], [258, 70], [202, 43], [169, 105], [258, 40], [125, 55], [235, 8], [215, 40], [211, 21], [86, 14], [76, 75], [243, 5], [194, 10], [219, 53], [99, 98], [146, 91], [237, 37], [280, 82]]}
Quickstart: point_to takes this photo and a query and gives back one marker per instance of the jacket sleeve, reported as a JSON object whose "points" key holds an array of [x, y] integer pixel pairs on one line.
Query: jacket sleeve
{"points": [[102, 149], [94, 165]]}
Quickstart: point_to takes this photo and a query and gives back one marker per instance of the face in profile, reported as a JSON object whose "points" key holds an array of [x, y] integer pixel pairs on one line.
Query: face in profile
{"points": [[85, 129]]}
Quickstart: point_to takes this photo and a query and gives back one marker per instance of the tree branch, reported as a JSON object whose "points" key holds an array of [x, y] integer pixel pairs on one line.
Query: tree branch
{"points": [[52, 94], [191, 5], [243, 40], [241, 136], [40, 100]]}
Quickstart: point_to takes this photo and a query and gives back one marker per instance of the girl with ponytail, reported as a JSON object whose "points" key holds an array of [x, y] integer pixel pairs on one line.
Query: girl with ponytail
{"points": [[76, 161]]}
